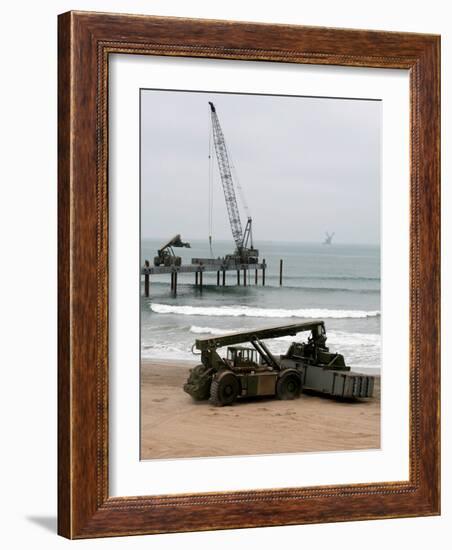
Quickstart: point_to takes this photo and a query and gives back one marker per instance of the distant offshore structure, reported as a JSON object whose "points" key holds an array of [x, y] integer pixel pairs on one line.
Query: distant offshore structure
{"points": [[328, 238]]}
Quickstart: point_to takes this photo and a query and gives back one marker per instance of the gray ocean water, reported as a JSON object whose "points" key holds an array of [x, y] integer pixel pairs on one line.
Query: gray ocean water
{"points": [[338, 283]]}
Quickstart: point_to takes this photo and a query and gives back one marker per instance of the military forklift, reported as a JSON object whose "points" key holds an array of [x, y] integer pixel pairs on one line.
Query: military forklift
{"points": [[252, 370]]}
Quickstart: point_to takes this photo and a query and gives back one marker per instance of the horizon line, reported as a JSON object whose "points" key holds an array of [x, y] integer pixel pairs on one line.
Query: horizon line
{"points": [[204, 239]]}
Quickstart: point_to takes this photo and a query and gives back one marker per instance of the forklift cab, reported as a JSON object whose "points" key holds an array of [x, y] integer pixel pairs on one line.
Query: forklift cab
{"points": [[316, 343], [241, 356]]}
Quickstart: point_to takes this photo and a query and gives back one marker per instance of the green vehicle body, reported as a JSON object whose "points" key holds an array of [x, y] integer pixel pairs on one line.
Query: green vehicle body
{"points": [[252, 370]]}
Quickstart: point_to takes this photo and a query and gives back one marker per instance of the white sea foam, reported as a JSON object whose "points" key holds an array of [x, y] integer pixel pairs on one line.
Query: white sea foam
{"points": [[361, 350], [245, 311], [165, 350], [209, 330]]}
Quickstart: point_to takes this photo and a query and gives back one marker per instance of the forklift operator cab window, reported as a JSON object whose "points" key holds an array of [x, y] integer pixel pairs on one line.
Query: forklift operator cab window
{"points": [[238, 356]]}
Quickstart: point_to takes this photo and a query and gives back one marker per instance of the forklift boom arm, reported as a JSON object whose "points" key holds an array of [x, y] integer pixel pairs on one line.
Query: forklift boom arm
{"points": [[207, 343]]}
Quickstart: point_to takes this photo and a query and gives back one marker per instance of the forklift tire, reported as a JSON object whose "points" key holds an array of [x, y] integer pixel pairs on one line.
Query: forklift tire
{"points": [[198, 383], [224, 389], [288, 385]]}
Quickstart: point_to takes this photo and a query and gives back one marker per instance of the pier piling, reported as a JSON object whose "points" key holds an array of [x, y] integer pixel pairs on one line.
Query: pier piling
{"points": [[198, 268], [280, 272], [146, 280]]}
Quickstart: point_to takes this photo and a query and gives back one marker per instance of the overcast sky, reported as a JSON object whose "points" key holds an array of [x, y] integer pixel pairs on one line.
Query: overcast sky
{"points": [[306, 165]]}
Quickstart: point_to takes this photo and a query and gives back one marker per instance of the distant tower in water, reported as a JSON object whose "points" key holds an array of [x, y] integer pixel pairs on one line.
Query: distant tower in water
{"points": [[328, 238]]}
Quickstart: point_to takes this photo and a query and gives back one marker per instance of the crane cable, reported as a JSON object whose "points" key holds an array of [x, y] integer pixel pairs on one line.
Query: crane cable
{"points": [[210, 190]]}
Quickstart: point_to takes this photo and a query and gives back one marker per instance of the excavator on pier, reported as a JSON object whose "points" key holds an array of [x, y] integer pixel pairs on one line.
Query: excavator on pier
{"points": [[166, 255]]}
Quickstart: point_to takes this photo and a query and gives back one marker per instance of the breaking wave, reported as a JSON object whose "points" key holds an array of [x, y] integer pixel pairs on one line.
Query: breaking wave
{"points": [[245, 311], [209, 330]]}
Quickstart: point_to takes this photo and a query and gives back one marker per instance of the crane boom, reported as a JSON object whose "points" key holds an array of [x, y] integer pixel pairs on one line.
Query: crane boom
{"points": [[226, 179]]}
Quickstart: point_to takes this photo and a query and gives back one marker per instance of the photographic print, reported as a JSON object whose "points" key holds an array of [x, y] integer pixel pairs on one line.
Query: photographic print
{"points": [[260, 274]]}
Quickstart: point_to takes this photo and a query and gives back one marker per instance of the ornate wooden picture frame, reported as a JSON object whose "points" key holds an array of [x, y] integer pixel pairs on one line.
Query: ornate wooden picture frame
{"points": [[86, 41]]}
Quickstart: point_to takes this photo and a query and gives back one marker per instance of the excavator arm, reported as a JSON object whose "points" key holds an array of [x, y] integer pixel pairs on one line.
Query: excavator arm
{"points": [[175, 242]]}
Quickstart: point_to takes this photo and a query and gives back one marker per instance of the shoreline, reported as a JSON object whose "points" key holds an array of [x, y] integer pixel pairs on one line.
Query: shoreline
{"points": [[175, 426], [189, 363]]}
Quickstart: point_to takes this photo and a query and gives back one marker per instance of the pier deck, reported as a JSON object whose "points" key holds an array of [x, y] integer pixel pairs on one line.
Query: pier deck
{"points": [[218, 267]]}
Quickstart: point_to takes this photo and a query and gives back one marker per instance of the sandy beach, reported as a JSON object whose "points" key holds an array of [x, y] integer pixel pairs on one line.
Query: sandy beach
{"points": [[174, 426]]}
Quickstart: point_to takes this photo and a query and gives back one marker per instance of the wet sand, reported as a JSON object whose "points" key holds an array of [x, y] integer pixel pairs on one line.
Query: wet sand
{"points": [[175, 426]]}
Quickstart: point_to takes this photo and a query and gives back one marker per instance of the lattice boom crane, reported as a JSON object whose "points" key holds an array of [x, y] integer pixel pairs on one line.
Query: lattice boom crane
{"points": [[241, 238]]}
